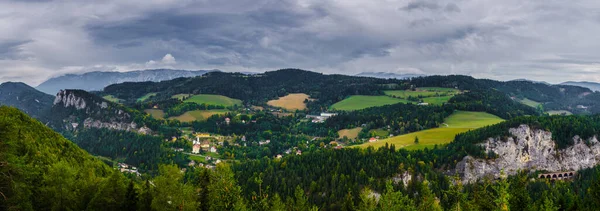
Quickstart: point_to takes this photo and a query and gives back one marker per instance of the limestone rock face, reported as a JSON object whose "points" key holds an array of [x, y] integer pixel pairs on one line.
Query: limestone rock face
{"points": [[531, 150], [91, 123], [69, 99], [90, 111]]}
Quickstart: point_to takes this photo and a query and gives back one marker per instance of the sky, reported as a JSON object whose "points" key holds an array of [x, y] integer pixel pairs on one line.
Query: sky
{"points": [[546, 40]]}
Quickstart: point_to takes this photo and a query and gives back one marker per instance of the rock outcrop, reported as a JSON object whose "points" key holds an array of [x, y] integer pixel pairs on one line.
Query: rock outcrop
{"points": [[79, 107], [531, 150]]}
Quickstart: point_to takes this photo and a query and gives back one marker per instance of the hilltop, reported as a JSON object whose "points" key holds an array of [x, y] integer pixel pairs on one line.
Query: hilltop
{"points": [[26, 98]]}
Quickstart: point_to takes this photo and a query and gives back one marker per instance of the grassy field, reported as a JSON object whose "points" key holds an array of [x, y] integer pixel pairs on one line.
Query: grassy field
{"points": [[155, 113], [349, 133], [293, 101], [380, 132], [424, 91], [213, 100], [357, 102], [431, 95], [560, 112], [459, 122], [145, 97], [198, 115], [437, 100], [529, 102], [112, 99], [197, 158]]}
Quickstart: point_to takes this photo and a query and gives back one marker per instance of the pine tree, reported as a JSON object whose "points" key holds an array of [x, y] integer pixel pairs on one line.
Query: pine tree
{"points": [[428, 200], [502, 193], [131, 197], [145, 201], [223, 191], [394, 200], [367, 201]]}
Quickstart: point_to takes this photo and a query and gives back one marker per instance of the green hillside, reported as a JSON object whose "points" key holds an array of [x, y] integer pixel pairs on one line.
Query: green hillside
{"points": [[213, 100], [459, 122], [41, 170], [357, 102]]}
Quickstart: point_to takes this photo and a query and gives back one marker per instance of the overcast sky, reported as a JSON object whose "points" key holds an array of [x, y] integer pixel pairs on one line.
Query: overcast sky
{"points": [[550, 40]]}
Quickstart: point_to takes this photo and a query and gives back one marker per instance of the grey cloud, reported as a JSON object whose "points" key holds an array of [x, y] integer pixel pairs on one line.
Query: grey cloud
{"points": [[486, 38], [421, 5], [10, 49]]}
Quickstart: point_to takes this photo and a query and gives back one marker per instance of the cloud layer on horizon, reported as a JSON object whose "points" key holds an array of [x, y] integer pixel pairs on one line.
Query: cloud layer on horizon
{"points": [[540, 40]]}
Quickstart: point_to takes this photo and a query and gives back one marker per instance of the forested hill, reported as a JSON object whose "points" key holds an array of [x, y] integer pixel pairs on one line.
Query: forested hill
{"points": [[258, 88], [26, 98], [41, 170], [328, 89]]}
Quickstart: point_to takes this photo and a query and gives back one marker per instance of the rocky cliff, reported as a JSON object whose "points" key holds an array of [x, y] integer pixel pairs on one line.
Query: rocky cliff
{"points": [[78, 108], [529, 149]]}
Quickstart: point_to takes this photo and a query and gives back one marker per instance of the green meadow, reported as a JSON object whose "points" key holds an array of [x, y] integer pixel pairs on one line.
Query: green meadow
{"points": [[459, 122], [198, 115], [357, 102], [146, 96], [210, 99], [112, 99]]}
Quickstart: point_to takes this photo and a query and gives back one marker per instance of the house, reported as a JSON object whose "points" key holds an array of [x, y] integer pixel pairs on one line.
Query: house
{"points": [[264, 142], [202, 135], [208, 158], [423, 104], [196, 148], [213, 149], [339, 147], [372, 140], [218, 161], [205, 146], [227, 120], [279, 156], [192, 163], [298, 152], [328, 114]]}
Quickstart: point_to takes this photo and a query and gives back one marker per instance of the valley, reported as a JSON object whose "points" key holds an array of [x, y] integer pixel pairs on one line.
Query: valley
{"points": [[363, 131]]}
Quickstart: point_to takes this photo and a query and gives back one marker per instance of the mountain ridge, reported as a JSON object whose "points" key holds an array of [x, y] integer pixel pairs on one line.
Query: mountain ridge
{"points": [[97, 80], [586, 84]]}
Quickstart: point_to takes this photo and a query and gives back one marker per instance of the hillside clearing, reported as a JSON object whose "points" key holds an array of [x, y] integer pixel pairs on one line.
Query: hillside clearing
{"points": [[529, 102], [181, 96], [197, 115], [431, 95], [293, 101], [559, 112], [357, 102], [112, 99], [349, 133], [155, 113], [459, 122], [146, 96], [213, 100]]}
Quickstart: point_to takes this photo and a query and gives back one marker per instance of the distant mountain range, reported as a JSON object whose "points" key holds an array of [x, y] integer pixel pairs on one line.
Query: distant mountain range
{"points": [[26, 98], [539, 82], [590, 85], [96, 81], [386, 75]]}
